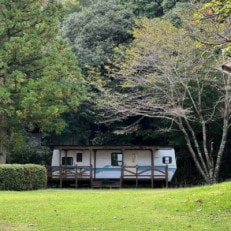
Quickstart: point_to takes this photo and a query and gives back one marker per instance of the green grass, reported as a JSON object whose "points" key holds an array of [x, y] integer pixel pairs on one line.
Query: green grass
{"points": [[201, 208]]}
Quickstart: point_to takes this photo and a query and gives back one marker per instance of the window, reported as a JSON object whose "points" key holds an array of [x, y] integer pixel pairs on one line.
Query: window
{"points": [[67, 161], [79, 157], [116, 159], [167, 160]]}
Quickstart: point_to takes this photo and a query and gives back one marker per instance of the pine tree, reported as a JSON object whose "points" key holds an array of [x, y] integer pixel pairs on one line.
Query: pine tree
{"points": [[39, 79]]}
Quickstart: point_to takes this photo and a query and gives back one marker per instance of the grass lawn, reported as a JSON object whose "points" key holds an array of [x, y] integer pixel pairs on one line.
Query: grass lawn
{"points": [[201, 208]]}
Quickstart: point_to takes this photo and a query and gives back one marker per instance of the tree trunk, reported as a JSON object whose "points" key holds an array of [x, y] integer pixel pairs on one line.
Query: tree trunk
{"points": [[203, 163], [3, 141], [2, 155]]}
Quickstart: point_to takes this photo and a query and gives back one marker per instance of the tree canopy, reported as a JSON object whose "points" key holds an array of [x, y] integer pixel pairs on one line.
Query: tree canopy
{"points": [[39, 78], [165, 75], [219, 13], [93, 33]]}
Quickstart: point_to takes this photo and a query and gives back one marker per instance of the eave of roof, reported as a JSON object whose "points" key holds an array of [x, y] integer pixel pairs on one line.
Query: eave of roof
{"points": [[117, 147]]}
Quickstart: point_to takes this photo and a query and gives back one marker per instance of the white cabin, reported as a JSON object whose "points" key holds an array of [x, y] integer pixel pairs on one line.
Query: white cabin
{"points": [[113, 163]]}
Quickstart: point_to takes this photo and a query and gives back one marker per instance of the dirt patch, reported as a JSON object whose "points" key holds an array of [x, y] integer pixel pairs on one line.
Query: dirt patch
{"points": [[4, 227]]}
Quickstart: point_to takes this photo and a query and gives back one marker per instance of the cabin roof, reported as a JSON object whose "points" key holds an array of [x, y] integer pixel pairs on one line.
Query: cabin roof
{"points": [[123, 147], [225, 67]]}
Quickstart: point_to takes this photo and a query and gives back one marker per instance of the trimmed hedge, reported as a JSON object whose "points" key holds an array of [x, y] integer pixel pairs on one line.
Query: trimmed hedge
{"points": [[22, 177]]}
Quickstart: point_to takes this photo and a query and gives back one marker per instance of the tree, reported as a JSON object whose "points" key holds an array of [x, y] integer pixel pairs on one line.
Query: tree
{"points": [[75, 5], [154, 8], [147, 8], [93, 33], [39, 79], [165, 76], [174, 15], [217, 12]]}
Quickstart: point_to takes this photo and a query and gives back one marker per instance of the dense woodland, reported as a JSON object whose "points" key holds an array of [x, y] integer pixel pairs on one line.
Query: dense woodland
{"points": [[117, 72]]}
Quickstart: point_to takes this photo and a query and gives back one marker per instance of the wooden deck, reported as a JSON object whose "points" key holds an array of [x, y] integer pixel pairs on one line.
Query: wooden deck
{"points": [[83, 175]]}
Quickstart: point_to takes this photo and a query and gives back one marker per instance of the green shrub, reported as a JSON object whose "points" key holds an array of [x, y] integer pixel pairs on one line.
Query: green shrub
{"points": [[21, 177]]}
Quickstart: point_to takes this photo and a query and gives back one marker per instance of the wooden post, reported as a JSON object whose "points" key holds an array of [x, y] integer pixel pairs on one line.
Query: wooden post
{"points": [[90, 166], [94, 164], [60, 176], [166, 175], [60, 169], [136, 176], [152, 168], [122, 168], [76, 176], [90, 153], [121, 175]]}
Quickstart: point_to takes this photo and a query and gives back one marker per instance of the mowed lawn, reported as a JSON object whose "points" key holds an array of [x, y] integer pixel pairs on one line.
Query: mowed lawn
{"points": [[200, 208]]}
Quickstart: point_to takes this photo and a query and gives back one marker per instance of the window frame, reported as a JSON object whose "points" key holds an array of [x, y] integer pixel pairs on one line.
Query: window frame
{"points": [[115, 160], [167, 160], [67, 160], [79, 157]]}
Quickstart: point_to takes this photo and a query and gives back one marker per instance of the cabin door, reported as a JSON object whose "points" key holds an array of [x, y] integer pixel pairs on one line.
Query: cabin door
{"points": [[130, 158], [130, 163]]}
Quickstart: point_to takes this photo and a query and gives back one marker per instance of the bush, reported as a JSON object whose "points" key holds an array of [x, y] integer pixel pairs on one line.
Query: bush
{"points": [[22, 177]]}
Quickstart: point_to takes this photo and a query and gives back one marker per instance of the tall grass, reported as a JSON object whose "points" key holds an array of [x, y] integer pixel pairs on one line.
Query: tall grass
{"points": [[201, 208]]}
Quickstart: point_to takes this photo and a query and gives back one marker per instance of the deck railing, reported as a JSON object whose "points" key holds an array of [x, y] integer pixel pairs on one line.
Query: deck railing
{"points": [[80, 173], [75, 172], [133, 171]]}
